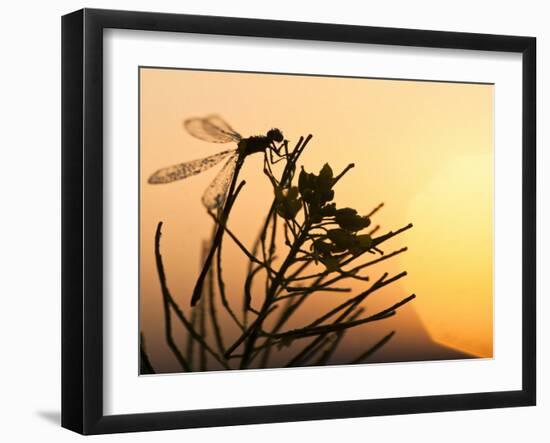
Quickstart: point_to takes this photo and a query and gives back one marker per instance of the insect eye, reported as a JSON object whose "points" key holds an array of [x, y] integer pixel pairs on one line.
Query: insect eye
{"points": [[275, 134]]}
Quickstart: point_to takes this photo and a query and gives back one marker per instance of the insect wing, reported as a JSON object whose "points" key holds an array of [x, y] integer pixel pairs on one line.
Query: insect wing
{"points": [[212, 129], [187, 169], [221, 125], [216, 193]]}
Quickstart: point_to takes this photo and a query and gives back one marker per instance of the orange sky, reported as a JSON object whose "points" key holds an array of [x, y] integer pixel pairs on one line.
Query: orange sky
{"points": [[425, 149]]}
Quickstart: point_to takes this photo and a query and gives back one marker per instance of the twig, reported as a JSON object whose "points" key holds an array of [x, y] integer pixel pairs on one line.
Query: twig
{"points": [[279, 322], [301, 291], [251, 336], [246, 333], [339, 336], [339, 176], [349, 307], [194, 333], [287, 313], [373, 230], [231, 195], [166, 304], [221, 287], [270, 296], [312, 331], [145, 366], [202, 327], [247, 305], [375, 210], [191, 339], [286, 176], [240, 245], [214, 314], [377, 240], [170, 302], [378, 284], [372, 350]]}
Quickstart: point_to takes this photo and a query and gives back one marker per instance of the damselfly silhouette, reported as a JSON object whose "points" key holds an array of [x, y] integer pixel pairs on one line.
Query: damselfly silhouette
{"points": [[215, 130]]}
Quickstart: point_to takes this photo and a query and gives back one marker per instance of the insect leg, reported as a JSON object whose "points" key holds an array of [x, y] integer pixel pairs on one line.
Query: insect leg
{"points": [[267, 168], [277, 151], [284, 145]]}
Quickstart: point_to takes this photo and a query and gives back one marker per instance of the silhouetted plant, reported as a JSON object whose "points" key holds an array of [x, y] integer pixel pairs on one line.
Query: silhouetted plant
{"points": [[317, 234]]}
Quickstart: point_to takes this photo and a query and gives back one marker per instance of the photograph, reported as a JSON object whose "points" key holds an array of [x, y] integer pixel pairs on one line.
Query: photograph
{"points": [[296, 220]]}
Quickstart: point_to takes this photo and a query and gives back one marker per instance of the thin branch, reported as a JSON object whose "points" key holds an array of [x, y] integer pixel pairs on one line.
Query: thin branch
{"points": [[202, 329], [318, 344], [286, 177], [247, 304], [287, 313], [239, 244], [350, 307], [247, 333], [145, 366], [373, 230], [273, 238], [166, 304], [194, 333], [377, 240], [230, 200], [270, 296], [380, 283], [375, 210], [312, 331], [169, 301], [221, 287], [300, 291], [279, 322], [339, 176], [300, 269], [372, 350], [214, 314], [378, 260], [337, 339], [190, 339], [351, 272]]}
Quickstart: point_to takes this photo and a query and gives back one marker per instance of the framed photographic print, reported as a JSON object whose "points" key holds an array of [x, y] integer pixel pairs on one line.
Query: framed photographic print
{"points": [[269, 221]]}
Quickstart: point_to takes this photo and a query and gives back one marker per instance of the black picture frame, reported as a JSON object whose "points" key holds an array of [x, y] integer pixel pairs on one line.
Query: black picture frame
{"points": [[82, 218]]}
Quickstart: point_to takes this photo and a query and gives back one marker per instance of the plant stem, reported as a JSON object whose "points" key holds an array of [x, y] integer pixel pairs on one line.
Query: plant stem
{"points": [[145, 366], [372, 350], [270, 296], [202, 328], [286, 175], [197, 291], [325, 357], [214, 314], [170, 302], [166, 304], [337, 326], [221, 288]]}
